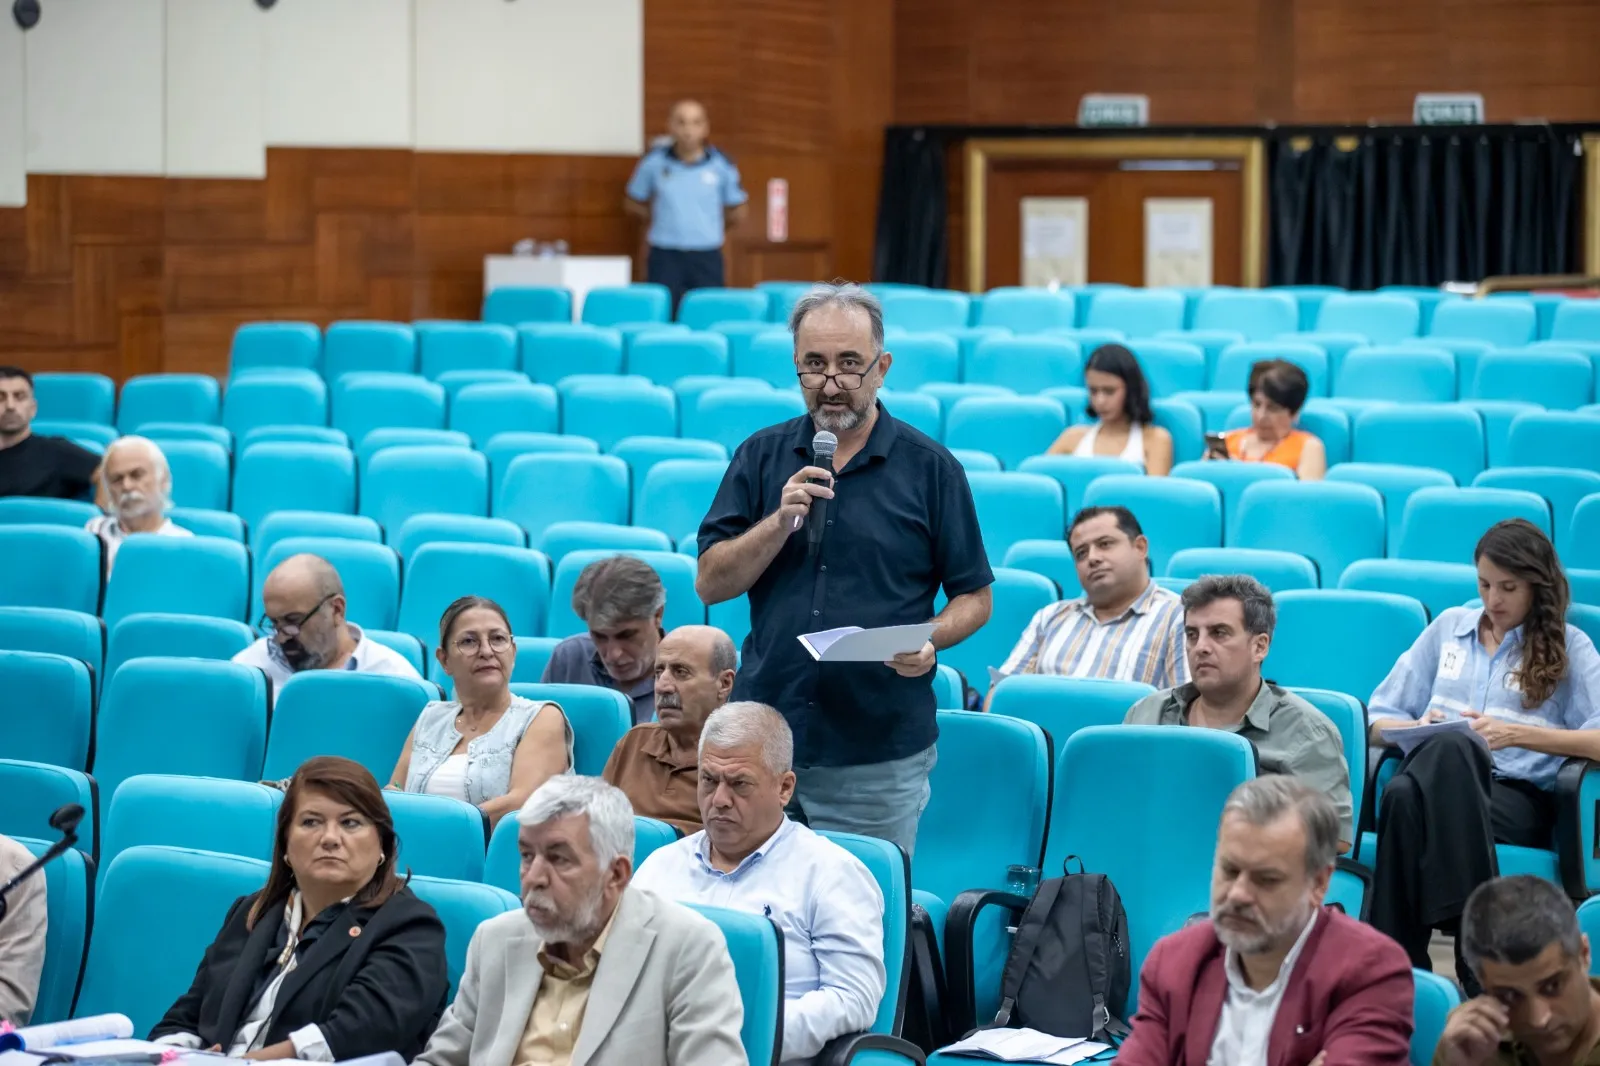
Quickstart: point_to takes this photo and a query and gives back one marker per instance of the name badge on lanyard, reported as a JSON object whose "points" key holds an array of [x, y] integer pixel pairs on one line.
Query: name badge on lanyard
{"points": [[1451, 659]]}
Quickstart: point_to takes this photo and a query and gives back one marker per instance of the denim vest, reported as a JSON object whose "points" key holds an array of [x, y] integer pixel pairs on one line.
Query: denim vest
{"points": [[488, 757]]}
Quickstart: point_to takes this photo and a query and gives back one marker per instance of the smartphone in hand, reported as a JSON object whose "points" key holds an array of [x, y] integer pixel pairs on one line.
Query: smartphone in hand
{"points": [[1216, 446]]}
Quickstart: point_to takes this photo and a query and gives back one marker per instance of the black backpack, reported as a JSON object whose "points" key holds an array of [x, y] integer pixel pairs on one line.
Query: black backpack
{"points": [[1068, 973]]}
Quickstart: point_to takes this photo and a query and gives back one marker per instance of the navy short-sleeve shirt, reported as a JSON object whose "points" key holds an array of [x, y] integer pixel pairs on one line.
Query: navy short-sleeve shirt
{"points": [[900, 525]]}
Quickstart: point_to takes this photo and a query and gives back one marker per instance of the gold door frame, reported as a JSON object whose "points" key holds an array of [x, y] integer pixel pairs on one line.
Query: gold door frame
{"points": [[1591, 203], [1249, 152]]}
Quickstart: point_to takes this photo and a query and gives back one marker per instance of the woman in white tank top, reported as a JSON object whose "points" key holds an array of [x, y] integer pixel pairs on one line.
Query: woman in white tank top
{"points": [[1119, 401]]}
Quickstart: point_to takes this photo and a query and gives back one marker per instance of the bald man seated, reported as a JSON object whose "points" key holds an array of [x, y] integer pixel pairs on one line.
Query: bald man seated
{"points": [[306, 629], [656, 764]]}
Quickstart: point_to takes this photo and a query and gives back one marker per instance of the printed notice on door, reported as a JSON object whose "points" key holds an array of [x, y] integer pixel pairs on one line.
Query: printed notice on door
{"points": [[1055, 242], [1177, 242]]}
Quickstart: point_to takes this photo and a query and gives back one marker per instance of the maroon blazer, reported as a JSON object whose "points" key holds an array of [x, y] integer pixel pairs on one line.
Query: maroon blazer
{"points": [[1349, 995]]}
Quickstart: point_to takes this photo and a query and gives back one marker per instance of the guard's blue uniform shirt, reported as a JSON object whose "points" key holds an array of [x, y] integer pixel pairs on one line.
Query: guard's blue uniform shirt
{"points": [[901, 523], [686, 199]]}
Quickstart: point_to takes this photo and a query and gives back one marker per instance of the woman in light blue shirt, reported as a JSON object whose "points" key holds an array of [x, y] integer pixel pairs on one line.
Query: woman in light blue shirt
{"points": [[487, 746], [1528, 685]]}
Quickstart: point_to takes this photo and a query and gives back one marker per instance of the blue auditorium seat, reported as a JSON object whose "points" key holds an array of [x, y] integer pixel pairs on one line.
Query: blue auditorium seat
{"points": [[919, 359], [677, 574], [200, 473], [154, 634], [1396, 484], [1329, 522], [44, 511], [182, 575], [706, 308], [666, 357], [949, 690], [692, 389], [1025, 310], [1231, 479], [1505, 323], [453, 381], [502, 448], [916, 409], [461, 529], [1558, 381], [1436, 585], [1219, 410], [1137, 313], [51, 708], [168, 398], [1388, 624], [164, 432], [66, 571], [768, 356], [180, 716], [31, 792], [1026, 365], [406, 481], [1383, 318], [365, 401], [405, 645], [1210, 341], [1434, 998], [271, 399], [562, 538], [1063, 705], [533, 654], [1428, 299], [730, 417], [1258, 315], [974, 461], [550, 353], [377, 440], [449, 346], [158, 910], [925, 309], [1444, 524], [1169, 366], [1279, 571], [300, 477], [369, 572], [440, 836], [512, 305], [1582, 540], [598, 717], [541, 489], [75, 397], [1183, 423], [630, 303], [69, 908], [1076, 473], [783, 295], [1085, 295], [1011, 428], [281, 524], [1544, 437], [755, 945], [1232, 372], [75, 634], [1051, 558], [1403, 375], [1442, 437], [364, 717], [224, 525], [91, 435], [353, 346], [208, 813], [437, 574], [741, 335], [1175, 513], [1018, 595], [1336, 346], [1562, 488], [677, 494], [1309, 300], [462, 906], [607, 412], [1016, 506], [643, 453], [288, 345]]}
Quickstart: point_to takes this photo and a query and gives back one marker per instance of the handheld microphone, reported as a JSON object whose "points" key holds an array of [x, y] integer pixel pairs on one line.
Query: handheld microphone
{"points": [[65, 821], [823, 445]]}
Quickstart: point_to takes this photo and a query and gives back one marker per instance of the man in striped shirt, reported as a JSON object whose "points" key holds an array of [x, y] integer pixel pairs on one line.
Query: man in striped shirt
{"points": [[1124, 627]]}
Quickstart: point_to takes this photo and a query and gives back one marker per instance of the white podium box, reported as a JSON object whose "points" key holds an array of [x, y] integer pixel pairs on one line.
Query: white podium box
{"points": [[575, 273]]}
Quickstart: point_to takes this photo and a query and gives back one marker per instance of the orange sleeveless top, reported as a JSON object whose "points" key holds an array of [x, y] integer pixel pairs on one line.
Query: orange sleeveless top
{"points": [[1285, 453]]}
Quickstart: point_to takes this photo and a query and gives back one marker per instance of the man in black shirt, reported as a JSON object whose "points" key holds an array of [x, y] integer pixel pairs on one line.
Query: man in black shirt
{"points": [[37, 466], [900, 523]]}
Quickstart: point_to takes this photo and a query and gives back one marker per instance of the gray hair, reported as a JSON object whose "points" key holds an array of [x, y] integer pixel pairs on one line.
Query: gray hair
{"points": [[1263, 800], [1260, 615], [610, 813], [749, 724], [845, 294], [158, 464], [724, 656], [615, 590], [1512, 919]]}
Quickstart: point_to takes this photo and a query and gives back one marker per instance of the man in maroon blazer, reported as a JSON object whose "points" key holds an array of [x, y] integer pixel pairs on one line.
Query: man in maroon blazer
{"points": [[1273, 979]]}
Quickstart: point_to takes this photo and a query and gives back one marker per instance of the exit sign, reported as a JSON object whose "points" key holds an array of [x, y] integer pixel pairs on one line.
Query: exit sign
{"points": [[1448, 109], [1113, 109]]}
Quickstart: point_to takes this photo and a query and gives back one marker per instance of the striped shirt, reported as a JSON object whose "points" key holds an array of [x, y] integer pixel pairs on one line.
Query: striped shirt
{"points": [[1144, 643]]}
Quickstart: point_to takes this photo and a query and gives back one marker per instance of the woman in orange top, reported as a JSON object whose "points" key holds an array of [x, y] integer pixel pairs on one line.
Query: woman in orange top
{"points": [[1277, 392]]}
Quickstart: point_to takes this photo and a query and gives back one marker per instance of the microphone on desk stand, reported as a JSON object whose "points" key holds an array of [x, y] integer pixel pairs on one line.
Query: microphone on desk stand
{"points": [[65, 821], [823, 445]]}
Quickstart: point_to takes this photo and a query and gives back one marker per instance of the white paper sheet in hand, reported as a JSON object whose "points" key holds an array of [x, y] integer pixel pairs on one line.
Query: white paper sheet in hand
{"points": [[852, 644], [1407, 738], [1024, 1045]]}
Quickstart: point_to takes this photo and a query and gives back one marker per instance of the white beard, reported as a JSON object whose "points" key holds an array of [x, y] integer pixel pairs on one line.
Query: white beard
{"points": [[132, 506], [584, 923]]}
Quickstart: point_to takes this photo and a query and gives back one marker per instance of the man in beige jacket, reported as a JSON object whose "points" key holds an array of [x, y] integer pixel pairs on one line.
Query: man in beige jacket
{"points": [[21, 935]]}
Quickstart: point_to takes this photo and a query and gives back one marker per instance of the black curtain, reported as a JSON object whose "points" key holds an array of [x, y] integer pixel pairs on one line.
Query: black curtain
{"points": [[1420, 207], [912, 243]]}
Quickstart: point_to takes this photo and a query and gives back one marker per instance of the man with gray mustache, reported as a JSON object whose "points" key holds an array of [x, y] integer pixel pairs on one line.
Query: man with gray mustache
{"points": [[133, 486]]}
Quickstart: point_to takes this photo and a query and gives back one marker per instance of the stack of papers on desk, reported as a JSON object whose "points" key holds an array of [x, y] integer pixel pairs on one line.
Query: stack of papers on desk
{"points": [[1025, 1045]]}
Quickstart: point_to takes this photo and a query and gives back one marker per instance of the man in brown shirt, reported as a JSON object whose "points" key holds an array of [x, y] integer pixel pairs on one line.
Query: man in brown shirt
{"points": [[656, 764]]}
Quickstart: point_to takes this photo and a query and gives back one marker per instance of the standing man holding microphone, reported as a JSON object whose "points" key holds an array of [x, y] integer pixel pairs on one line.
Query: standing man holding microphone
{"points": [[865, 540]]}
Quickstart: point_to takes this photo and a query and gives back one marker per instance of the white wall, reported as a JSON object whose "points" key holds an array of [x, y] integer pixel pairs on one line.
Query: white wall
{"points": [[201, 88]]}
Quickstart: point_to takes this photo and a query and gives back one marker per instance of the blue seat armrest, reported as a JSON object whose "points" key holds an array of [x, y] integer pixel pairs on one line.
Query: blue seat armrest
{"points": [[1346, 865], [874, 1048], [961, 996], [1577, 834]]}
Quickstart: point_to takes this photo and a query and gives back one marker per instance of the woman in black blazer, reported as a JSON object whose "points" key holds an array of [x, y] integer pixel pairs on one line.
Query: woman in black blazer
{"points": [[335, 958]]}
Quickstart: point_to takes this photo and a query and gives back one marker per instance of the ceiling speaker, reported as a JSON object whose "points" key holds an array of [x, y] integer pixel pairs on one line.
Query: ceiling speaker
{"points": [[26, 12]]}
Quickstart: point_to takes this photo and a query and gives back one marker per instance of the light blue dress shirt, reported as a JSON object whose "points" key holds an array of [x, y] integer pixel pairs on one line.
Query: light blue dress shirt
{"points": [[828, 906], [686, 199], [1449, 670]]}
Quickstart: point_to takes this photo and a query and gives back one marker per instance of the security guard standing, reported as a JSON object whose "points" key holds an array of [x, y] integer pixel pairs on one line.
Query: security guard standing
{"points": [[689, 192]]}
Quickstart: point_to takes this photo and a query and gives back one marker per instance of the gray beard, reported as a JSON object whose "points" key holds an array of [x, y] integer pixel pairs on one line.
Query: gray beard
{"points": [[838, 423], [583, 924], [1258, 942]]}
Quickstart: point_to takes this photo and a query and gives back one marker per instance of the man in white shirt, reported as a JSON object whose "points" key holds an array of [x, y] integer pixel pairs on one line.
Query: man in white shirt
{"points": [[1211, 994], [306, 627], [750, 857], [133, 486]]}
